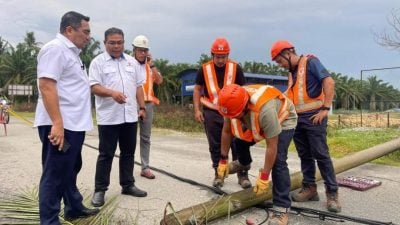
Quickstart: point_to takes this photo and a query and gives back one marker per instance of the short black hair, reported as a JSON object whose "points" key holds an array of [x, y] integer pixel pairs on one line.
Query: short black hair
{"points": [[72, 19], [112, 30]]}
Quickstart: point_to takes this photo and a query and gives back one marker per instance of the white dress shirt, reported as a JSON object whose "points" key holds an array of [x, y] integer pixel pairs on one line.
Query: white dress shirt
{"points": [[123, 75], [59, 60]]}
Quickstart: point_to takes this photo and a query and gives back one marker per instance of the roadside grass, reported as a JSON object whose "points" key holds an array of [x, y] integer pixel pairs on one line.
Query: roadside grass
{"points": [[341, 141], [349, 140]]}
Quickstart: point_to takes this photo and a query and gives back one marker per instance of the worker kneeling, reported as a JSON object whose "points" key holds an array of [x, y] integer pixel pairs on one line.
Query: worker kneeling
{"points": [[254, 113]]}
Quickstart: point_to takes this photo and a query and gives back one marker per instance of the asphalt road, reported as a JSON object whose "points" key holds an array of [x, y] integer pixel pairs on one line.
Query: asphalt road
{"points": [[186, 155]]}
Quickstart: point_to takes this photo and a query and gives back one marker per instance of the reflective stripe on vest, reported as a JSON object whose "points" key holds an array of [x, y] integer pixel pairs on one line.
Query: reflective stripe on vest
{"points": [[210, 78], [148, 87], [259, 95], [298, 92]]}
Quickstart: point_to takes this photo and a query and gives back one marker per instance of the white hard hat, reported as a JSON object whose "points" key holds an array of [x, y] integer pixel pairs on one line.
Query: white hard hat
{"points": [[141, 41]]}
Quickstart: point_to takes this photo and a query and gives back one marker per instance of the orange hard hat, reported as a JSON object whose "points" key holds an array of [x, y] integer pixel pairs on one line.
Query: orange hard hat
{"points": [[231, 100], [220, 46], [278, 47]]}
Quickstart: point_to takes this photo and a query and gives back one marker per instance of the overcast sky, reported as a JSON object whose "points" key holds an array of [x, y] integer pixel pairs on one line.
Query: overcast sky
{"points": [[339, 33]]}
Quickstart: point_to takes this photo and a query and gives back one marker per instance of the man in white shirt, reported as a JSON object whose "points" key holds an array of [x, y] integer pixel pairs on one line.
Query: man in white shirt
{"points": [[116, 80], [62, 116]]}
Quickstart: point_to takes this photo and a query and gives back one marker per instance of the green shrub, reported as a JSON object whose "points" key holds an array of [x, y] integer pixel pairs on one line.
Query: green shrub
{"points": [[176, 117]]}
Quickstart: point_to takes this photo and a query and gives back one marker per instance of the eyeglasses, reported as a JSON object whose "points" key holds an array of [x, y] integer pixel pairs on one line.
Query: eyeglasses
{"points": [[115, 42], [141, 50]]}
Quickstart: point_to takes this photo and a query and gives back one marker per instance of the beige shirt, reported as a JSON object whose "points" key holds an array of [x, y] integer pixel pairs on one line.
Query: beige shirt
{"points": [[268, 118]]}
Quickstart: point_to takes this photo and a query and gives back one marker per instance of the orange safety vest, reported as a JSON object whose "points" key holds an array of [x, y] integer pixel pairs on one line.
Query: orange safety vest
{"points": [[148, 87], [259, 95], [298, 92], [210, 78]]}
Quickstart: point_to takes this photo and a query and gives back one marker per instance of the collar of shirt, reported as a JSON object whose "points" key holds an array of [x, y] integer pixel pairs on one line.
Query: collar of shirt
{"points": [[68, 43], [110, 57]]}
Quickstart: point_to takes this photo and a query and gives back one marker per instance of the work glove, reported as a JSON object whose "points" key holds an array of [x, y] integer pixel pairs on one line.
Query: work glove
{"points": [[262, 183], [223, 169]]}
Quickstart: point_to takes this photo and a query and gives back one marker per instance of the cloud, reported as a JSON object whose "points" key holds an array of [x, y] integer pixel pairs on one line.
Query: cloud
{"points": [[338, 32]]}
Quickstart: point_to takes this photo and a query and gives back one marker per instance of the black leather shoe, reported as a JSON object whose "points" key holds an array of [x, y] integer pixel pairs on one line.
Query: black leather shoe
{"points": [[85, 212], [98, 199], [134, 191]]}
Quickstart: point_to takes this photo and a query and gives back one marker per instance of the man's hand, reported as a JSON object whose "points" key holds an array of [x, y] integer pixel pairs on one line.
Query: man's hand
{"points": [[319, 117], [262, 183], [223, 169], [142, 114], [119, 97], [56, 136], [198, 115]]}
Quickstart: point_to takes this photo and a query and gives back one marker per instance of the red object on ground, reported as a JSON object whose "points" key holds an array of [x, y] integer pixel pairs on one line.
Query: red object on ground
{"points": [[358, 183], [250, 221]]}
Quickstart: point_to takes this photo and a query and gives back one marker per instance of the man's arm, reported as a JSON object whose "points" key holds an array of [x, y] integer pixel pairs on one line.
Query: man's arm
{"points": [[289, 83], [48, 89], [141, 103], [270, 154], [198, 115], [158, 79], [328, 87], [226, 138], [101, 91]]}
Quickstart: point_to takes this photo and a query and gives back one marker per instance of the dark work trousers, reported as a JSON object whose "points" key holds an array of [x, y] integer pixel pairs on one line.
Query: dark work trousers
{"points": [[58, 181], [109, 135], [213, 123], [280, 170], [311, 145]]}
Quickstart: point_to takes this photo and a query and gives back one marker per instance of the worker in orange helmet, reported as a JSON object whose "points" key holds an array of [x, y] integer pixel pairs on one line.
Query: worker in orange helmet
{"points": [[211, 77], [254, 113], [311, 88]]}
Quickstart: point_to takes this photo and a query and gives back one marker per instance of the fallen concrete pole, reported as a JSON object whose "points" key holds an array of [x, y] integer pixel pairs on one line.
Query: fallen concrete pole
{"points": [[239, 201]]}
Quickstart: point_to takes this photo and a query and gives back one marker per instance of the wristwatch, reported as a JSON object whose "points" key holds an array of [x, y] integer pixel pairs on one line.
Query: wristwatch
{"points": [[142, 108], [325, 108]]}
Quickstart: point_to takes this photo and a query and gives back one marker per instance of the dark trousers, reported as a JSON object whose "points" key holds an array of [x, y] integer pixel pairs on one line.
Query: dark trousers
{"points": [[109, 135], [213, 123], [58, 181], [280, 171], [311, 145]]}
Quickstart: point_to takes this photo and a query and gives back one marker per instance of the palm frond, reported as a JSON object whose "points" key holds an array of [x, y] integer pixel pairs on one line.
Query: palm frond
{"points": [[23, 209]]}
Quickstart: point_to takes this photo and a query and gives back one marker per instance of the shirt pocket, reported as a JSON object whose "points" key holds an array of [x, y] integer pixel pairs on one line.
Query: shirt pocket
{"points": [[131, 73], [110, 75]]}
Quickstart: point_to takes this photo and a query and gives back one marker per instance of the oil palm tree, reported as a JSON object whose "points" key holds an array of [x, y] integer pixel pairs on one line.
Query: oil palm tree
{"points": [[376, 90], [18, 66], [171, 83], [90, 51]]}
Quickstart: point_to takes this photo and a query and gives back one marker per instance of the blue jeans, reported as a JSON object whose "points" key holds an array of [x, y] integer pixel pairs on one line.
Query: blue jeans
{"points": [[280, 171], [58, 181], [311, 145]]}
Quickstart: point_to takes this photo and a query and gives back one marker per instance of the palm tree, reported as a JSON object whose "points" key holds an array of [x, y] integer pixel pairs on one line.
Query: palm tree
{"points": [[90, 51], [171, 83], [260, 68], [18, 66], [203, 59], [4, 45], [375, 90], [31, 44]]}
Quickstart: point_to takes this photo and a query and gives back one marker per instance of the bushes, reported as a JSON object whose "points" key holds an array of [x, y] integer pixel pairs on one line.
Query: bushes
{"points": [[176, 117]]}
